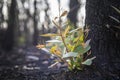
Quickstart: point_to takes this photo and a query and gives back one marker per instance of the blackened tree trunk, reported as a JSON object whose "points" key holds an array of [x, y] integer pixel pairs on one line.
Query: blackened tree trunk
{"points": [[1, 20], [36, 33], [9, 35], [1, 15], [105, 38], [47, 19], [74, 7]]}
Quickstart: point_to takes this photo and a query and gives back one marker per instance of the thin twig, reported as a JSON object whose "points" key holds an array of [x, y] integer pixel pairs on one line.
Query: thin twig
{"points": [[60, 32]]}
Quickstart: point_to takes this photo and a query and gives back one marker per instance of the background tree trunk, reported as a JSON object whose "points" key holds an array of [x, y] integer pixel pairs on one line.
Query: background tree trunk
{"points": [[36, 31], [105, 38], [1, 20], [9, 35], [74, 7]]}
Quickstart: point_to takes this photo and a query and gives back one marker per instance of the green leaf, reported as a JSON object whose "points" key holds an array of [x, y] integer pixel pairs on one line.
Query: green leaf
{"points": [[64, 51], [72, 31], [81, 49], [75, 39], [70, 54], [87, 43], [88, 61], [49, 35], [82, 38], [54, 41], [66, 31]]}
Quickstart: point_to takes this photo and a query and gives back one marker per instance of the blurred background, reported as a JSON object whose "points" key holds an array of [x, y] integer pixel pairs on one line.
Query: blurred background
{"points": [[22, 21]]}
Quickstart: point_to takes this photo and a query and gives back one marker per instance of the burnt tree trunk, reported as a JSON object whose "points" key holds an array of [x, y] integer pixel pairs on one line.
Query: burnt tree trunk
{"points": [[74, 7], [9, 35], [105, 38], [1, 20], [36, 32]]}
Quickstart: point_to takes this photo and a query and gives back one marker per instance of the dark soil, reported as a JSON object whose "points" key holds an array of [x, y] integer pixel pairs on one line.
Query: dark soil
{"points": [[32, 64]]}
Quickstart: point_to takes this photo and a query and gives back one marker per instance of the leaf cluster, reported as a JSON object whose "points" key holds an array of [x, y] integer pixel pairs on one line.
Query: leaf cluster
{"points": [[68, 45]]}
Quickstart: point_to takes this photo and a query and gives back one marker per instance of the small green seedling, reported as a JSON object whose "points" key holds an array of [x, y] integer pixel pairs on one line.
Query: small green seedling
{"points": [[68, 45]]}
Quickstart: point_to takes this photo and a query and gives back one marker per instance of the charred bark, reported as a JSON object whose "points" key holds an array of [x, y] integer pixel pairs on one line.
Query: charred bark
{"points": [[9, 35], [36, 32], [74, 7], [105, 38]]}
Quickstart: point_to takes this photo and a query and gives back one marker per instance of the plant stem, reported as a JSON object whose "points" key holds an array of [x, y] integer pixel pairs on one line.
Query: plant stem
{"points": [[63, 40], [60, 32]]}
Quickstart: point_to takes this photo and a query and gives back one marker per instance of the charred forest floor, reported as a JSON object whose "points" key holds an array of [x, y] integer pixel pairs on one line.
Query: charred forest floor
{"points": [[32, 64]]}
